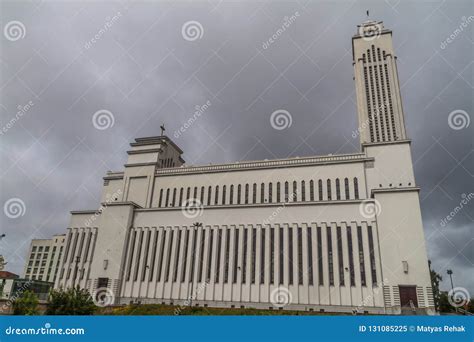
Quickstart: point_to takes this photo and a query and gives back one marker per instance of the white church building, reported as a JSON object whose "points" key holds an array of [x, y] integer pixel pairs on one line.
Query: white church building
{"points": [[334, 233]]}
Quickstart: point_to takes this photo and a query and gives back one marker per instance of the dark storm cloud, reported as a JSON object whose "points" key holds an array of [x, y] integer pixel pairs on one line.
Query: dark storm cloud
{"points": [[131, 59]]}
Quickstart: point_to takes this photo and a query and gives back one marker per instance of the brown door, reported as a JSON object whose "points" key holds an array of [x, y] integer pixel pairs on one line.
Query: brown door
{"points": [[407, 294]]}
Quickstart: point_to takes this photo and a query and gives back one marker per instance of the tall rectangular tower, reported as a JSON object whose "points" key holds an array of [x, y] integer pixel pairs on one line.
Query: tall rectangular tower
{"points": [[390, 179], [377, 87]]}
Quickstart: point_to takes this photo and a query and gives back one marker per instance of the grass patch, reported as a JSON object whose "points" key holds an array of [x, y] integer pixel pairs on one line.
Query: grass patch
{"points": [[170, 310]]}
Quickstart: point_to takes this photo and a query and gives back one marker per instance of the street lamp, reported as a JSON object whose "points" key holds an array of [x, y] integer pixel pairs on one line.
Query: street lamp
{"points": [[196, 225], [450, 272]]}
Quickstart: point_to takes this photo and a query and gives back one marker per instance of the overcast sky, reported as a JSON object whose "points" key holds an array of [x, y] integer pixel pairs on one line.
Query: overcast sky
{"points": [[145, 70]]}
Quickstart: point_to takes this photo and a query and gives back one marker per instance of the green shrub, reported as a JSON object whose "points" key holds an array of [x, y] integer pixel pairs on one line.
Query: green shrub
{"points": [[72, 301], [27, 304]]}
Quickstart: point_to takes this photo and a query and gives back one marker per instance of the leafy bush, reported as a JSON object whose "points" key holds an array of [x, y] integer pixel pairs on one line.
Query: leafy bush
{"points": [[72, 301], [27, 304]]}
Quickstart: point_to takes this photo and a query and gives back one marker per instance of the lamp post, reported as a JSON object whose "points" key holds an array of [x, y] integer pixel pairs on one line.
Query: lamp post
{"points": [[196, 225], [450, 273]]}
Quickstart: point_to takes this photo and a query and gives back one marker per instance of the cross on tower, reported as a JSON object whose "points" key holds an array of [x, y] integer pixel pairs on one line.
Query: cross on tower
{"points": [[162, 128]]}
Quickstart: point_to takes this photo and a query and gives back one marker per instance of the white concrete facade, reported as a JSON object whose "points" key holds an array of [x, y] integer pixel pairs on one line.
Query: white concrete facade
{"points": [[332, 233], [44, 256]]}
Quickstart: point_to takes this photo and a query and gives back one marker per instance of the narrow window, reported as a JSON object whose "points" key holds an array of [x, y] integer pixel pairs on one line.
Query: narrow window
{"points": [[216, 196], [372, 257], [338, 189], [193, 256], [185, 258], [356, 188], [281, 252], [161, 198], [351, 256], [244, 256], [202, 195], [239, 193], [218, 261], [303, 191], [340, 256], [227, 252], [246, 194], [201, 254], [132, 250], [181, 196], [209, 195], [152, 266], [286, 192], [147, 244], [300, 255], [236, 254], [295, 191], [262, 257], [278, 192], [209, 255], [188, 193], [173, 201], [162, 253], [272, 255], [262, 193], [167, 203], [329, 189], [170, 245], [320, 189], [361, 256], [310, 256], [290, 255], [330, 261], [223, 194], [346, 187], [270, 193], [311, 190], [231, 195], [254, 255], [176, 257], [254, 193], [195, 193]]}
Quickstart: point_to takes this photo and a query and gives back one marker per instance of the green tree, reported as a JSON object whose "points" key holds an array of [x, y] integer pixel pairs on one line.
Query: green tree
{"points": [[435, 279], [72, 301], [27, 304]]}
